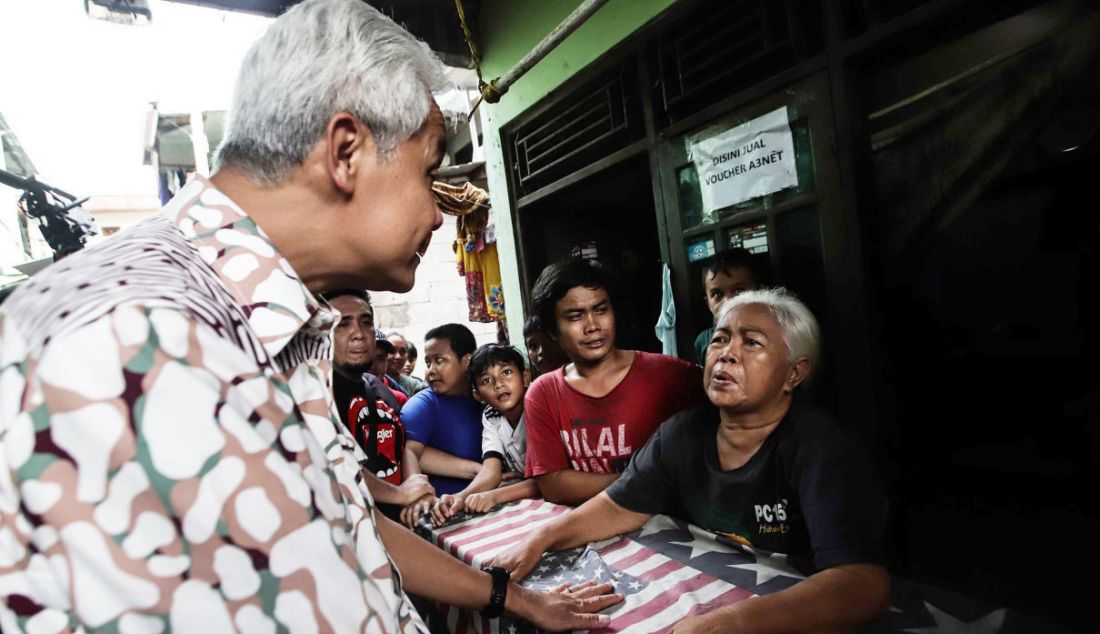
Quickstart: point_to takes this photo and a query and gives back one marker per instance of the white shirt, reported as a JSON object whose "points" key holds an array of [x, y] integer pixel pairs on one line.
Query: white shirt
{"points": [[500, 440]]}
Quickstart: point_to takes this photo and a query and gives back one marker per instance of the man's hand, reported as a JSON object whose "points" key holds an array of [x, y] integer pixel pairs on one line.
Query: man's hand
{"points": [[410, 515], [415, 487], [446, 507], [520, 559], [434, 574], [481, 502], [510, 476], [565, 607]]}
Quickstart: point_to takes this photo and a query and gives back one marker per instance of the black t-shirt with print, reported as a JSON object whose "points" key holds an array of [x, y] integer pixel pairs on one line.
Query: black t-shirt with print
{"points": [[376, 427], [808, 492]]}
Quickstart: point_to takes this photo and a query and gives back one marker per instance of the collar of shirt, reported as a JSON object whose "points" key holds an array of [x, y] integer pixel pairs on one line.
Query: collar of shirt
{"points": [[272, 296]]}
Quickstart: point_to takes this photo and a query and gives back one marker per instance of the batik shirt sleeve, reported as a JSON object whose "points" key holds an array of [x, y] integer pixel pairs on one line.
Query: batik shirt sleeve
{"points": [[154, 478]]}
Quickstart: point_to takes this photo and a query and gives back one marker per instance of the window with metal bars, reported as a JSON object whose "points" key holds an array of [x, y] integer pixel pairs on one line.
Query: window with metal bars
{"points": [[588, 124], [719, 48]]}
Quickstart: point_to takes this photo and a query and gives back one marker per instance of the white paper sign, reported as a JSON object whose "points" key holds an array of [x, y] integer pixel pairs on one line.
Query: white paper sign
{"points": [[751, 160]]}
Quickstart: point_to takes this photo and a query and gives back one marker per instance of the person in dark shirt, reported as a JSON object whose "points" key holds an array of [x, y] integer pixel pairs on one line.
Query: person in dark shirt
{"points": [[383, 349], [758, 466], [361, 403]]}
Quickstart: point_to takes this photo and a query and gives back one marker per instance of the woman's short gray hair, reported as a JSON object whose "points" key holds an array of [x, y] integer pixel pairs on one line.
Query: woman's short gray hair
{"points": [[800, 330], [319, 58]]}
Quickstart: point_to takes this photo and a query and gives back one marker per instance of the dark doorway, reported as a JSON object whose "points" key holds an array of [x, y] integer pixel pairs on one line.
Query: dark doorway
{"points": [[991, 334], [609, 216]]}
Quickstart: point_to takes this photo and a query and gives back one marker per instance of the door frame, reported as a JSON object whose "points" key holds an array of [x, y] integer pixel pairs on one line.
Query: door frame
{"points": [[807, 97]]}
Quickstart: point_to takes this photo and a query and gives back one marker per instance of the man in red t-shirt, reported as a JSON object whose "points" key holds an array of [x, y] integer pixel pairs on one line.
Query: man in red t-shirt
{"points": [[586, 419]]}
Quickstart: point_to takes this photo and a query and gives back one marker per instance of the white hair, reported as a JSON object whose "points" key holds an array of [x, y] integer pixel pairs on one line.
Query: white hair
{"points": [[319, 58], [799, 326]]}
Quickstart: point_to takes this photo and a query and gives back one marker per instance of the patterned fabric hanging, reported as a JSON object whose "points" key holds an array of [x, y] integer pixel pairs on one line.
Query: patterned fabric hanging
{"points": [[475, 248]]}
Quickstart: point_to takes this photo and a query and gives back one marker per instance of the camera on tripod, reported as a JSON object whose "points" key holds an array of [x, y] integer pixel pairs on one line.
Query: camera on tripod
{"points": [[64, 224]]}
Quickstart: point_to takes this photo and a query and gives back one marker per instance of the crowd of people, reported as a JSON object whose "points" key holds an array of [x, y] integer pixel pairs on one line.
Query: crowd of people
{"points": [[203, 428], [626, 434]]}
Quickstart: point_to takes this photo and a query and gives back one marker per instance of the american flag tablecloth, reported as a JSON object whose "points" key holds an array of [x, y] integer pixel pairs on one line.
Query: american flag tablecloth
{"points": [[669, 570]]}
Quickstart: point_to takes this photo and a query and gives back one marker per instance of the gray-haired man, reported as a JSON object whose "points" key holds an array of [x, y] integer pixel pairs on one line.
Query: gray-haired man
{"points": [[170, 456]]}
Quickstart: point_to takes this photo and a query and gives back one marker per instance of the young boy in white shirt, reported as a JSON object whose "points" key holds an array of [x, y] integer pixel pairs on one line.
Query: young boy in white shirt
{"points": [[499, 380]]}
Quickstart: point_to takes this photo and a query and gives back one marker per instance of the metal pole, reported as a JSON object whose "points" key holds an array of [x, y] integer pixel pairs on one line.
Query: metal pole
{"points": [[493, 91]]}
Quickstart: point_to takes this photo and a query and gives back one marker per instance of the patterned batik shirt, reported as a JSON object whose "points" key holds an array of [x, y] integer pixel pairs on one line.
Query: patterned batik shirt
{"points": [[170, 456]]}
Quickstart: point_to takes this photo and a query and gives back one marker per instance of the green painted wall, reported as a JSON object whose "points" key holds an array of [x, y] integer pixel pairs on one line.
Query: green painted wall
{"points": [[508, 29]]}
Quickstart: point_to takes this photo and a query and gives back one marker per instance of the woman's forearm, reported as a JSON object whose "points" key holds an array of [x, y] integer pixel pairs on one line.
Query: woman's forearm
{"points": [[833, 600]]}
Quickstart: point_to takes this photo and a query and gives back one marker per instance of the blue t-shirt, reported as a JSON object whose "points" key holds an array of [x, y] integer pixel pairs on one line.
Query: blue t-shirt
{"points": [[447, 423]]}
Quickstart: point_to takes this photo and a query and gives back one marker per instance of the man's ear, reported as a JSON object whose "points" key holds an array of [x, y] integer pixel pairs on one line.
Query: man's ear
{"points": [[466, 361], [347, 143], [797, 374]]}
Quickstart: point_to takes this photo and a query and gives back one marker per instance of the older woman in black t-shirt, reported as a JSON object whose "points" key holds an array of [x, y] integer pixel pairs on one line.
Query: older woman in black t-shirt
{"points": [[758, 467]]}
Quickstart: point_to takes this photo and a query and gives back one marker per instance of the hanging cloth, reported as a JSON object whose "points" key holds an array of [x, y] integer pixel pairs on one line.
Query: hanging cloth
{"points": [[475, 252], [666, 322], [484, 294]]}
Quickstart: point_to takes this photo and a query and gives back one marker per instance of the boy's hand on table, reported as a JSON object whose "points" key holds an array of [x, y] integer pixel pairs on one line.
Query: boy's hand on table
{"points": [[410, 515], [446, 507], [481, 502], [415, 487]]}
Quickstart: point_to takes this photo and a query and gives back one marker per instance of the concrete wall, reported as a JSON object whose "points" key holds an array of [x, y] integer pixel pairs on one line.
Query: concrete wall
{"points": [[508, 29], [438, 297]]}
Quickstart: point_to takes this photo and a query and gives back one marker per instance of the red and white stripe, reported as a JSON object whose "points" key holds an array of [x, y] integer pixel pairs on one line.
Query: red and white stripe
{"points": [[478, 539], [674, 590]]}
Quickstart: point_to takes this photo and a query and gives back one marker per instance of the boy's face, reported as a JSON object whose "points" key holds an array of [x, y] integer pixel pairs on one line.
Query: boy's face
{"points": [[723, 285], [544, 353], [446, 373], [502, 385], [379, 362], [586, 324]]}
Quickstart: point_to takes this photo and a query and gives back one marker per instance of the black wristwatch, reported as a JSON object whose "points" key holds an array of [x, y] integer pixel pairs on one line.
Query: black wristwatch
{"points": [[500, 590]]}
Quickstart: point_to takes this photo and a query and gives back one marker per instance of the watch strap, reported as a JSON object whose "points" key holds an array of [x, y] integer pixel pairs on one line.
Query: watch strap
{"points": [[500, 590]]}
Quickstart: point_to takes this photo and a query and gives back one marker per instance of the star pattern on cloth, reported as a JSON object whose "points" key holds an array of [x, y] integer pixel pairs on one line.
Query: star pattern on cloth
{"points": [[657, 524], [702, 543], [668, 569], [769, 567]]}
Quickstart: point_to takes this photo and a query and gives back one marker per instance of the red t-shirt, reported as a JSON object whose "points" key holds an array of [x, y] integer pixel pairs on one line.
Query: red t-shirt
{"points": [[569, 430], [401, 397]]}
